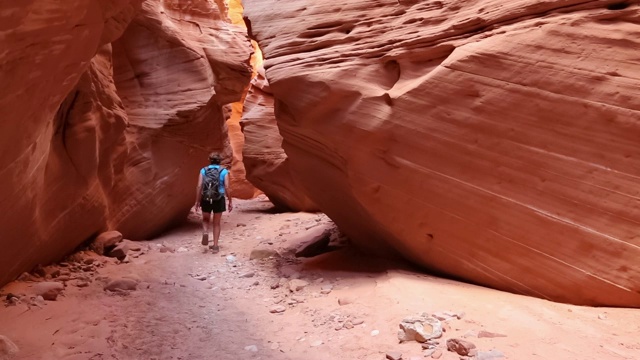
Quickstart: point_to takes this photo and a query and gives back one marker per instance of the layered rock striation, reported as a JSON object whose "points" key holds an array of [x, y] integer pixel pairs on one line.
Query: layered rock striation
{"points": [[492, 141], [109, 109], [264, 159]]}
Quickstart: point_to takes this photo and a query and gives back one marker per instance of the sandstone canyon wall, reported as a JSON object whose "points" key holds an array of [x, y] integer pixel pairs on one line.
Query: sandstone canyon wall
{"points": [[109, 109], [264, 159], [493, 141]]}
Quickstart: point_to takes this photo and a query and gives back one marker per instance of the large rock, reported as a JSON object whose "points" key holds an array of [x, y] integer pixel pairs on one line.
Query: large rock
{"points": [[492, 141], [105, 128], [264, 159], [8, 350]]}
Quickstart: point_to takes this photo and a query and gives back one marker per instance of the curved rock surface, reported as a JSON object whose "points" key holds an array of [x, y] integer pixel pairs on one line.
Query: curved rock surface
{"points": [[105, 128], [492, 141], [264, 159]]}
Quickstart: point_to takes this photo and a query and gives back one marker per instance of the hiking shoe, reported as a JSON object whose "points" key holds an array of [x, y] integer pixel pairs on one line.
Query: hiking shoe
{"points": [[205, 239], [215, 248]]}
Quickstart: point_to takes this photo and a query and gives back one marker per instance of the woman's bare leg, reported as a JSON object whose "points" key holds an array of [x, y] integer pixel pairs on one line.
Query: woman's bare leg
{"points": [[216, 228]]}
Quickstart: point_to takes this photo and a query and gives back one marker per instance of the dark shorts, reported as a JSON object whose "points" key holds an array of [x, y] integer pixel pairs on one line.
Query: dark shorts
{"points": [[217, 206]]}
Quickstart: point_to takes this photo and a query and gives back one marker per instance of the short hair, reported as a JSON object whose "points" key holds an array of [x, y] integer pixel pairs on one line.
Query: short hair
{"points": [[215, 158]]}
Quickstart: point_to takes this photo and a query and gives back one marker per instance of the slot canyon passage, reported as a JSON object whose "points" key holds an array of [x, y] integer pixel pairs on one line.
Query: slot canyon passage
{"points": [[412, 179]]}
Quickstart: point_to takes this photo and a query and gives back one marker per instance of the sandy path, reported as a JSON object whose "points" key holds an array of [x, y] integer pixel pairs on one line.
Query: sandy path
{"points": [[175, 315]]}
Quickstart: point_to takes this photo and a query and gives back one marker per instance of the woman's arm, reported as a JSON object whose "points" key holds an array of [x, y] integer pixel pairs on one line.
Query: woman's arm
{"points": [[198, 192], [227, 191]]}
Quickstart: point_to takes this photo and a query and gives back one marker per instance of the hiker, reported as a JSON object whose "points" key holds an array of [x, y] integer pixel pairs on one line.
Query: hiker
{"points": [[212, 184]]}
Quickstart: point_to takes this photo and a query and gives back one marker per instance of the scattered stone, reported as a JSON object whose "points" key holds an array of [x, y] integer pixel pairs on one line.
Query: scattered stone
{"points": [[241, 225], [25, 276], [38, 301], [326, 289], [487, 334], [48, 290], [437, 354], [132, 245], [262, 252], [120, 251], [316, 343], [255, 283], [231, 259], [375, 332], [428, 352], [348, 325], [39, 271], [345, 301], [105, 241], [275, 285], [13, 301], [470, 333], [489, 355], [81, 284], [251, 348], [166, 249], [419, 328], [8, 350], [182, 249], [298, 299], [448, 315], [297, 285], [200, 277], [602, 316], [461, 347], [357, 322], [275, 346], [121, 284], [250, 274], [277, 309], [394, 355]]}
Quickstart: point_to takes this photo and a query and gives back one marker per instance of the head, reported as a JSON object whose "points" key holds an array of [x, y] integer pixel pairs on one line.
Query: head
{"points": [[214, 158]]}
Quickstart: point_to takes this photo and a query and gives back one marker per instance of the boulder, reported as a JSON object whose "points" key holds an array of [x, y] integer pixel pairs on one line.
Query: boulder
{"points": [[419, 328], [474, 138]]}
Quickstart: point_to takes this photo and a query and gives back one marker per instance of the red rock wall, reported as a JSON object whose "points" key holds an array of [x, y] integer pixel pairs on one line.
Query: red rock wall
{"points": [[265, 160], [105, 128], [493, 141]]}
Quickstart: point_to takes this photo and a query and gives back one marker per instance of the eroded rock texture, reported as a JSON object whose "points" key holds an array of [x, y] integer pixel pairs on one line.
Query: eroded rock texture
{"points": [[105, 128], [493, 141], [264, 159]]}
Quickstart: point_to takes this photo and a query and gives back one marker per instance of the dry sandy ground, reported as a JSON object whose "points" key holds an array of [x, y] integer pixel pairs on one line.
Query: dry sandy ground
{"points": [[194, 305]]}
